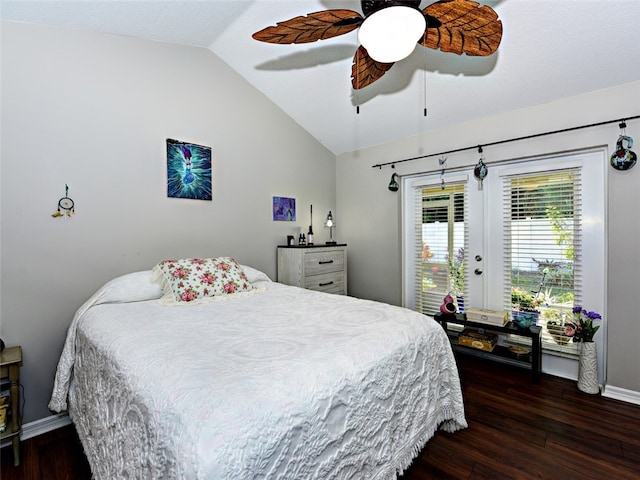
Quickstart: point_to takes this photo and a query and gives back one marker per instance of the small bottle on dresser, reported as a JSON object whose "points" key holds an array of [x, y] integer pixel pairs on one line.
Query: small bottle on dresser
{"points": [[310, 236], [310, 233]]}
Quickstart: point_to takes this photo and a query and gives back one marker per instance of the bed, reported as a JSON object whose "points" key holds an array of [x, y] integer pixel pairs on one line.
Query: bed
{"points": [[269, 382]]}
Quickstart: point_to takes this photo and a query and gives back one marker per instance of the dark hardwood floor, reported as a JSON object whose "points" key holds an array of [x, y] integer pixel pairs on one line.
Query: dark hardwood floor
{"points": [[517, 430]]}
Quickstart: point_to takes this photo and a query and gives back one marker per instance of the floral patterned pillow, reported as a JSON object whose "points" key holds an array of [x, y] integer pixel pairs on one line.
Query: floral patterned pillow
{"points": [[197, 279]]}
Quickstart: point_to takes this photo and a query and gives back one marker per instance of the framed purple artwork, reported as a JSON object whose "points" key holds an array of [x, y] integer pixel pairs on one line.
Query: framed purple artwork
{"points": [[284, 209]]}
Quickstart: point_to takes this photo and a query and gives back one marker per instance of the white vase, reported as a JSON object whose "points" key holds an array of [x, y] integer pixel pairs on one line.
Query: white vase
{"points": [[588, 368]]}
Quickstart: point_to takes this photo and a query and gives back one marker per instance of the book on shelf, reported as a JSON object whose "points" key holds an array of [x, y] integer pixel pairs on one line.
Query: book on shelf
{"points": [[4, 412]]}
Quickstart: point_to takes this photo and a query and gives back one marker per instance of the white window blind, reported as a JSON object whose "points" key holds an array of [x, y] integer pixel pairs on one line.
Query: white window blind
{"points": [[440, 250], [543, 249]]}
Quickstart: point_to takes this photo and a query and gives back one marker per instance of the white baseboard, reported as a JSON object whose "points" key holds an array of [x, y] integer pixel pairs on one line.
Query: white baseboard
{"points": [[44, 425], [622, 394]]}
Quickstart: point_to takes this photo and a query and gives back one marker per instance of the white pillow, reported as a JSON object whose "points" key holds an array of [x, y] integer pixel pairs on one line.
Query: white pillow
{"points": [[254, 275], [131, 287]]}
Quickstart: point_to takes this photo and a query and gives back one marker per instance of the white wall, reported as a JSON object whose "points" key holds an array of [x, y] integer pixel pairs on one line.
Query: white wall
{"points": [[93, 111], [374, 246]]}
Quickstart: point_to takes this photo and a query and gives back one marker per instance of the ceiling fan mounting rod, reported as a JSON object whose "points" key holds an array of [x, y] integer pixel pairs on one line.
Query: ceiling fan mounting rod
{"points": [[371, 6]]}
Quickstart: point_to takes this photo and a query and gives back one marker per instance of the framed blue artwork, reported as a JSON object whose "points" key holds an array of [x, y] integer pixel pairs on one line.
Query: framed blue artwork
{"points": [[284, 209], [188, 170]]}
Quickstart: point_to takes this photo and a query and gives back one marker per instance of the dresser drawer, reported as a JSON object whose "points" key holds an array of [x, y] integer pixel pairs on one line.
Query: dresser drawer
{"points": [[318, 263], [328, 282], [316, 267]]}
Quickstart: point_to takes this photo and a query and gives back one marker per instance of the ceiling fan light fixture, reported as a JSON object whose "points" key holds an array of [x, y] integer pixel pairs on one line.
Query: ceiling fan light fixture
{"points": [[392, 33]]}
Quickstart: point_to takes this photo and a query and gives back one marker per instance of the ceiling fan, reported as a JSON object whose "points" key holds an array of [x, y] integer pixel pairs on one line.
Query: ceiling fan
{"points": [[390, 30]]}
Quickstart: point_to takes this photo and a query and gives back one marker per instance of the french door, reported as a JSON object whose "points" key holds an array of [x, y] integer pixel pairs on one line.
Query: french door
{"points": [[533, 230]]}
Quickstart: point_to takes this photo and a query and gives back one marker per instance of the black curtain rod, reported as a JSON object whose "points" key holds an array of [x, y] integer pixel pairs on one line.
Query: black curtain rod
{"points": [[621, 120]]}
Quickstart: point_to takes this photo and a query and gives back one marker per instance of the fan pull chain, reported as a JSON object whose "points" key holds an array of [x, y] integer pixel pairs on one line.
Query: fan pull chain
{"points": [[424, 41], [357, 83]]}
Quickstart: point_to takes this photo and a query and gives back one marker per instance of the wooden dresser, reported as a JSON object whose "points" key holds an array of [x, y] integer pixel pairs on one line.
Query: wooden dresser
{"points": [[316, 267]]}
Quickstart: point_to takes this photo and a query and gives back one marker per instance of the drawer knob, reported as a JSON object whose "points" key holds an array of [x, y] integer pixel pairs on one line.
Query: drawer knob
{"points": [[325, 284], [324, 262]]}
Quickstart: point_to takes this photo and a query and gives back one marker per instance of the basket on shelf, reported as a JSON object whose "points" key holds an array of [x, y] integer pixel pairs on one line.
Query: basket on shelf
{"points": [[557, 333]]}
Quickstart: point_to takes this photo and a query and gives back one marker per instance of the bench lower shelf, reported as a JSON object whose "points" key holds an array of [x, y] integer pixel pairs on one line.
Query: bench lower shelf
{"points": [[531, 361], [499, 354]]}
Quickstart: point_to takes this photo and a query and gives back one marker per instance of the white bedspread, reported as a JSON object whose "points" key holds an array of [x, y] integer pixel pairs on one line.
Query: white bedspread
{"points": [[285, 383]]}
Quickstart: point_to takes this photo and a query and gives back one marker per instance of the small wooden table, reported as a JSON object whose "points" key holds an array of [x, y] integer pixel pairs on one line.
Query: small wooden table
{"points": [[10, 360], [533, 361]]}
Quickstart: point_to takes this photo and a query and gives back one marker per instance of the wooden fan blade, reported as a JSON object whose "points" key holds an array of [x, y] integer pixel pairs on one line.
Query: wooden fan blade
{"points": [[313, 27], [365, 70], [465, 27]]}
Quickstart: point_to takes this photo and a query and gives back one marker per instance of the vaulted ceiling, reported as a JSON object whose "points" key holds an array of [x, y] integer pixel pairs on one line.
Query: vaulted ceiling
{"points": [[550, 49]]}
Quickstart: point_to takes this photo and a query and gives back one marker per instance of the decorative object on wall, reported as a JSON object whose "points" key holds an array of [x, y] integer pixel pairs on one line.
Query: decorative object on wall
{"points": [[391, 29], [442, 162], [623, 158], [331, 225], [188, 170], [66, 206], [480, 171], [284, 209], [393, 184]]}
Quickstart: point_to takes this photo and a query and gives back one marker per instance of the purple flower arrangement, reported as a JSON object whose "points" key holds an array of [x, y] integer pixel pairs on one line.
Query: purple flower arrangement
{"points": [[582, 328]]}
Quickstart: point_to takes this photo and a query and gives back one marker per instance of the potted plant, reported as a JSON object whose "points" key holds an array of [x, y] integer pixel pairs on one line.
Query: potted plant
{"points": [[524, 306]]}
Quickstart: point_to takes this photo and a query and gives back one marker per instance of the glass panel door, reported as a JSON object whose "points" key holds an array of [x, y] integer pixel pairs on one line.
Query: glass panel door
{"points": [[442, 268], [535, 229]]}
